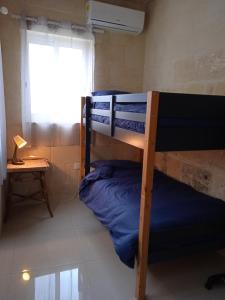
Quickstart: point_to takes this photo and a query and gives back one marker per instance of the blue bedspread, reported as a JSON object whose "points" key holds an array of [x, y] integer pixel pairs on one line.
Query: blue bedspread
{"points": [[182, 219]]}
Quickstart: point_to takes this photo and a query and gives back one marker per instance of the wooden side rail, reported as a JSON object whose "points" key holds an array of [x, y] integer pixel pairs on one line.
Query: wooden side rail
{"points": [[146, 193], [82, 138]]}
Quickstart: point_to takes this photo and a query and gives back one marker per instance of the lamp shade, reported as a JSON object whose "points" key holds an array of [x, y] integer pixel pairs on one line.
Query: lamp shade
{"points": [[19, 141]]}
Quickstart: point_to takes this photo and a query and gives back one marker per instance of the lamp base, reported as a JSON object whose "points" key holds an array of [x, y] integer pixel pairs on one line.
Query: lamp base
{"points": [[18, 162], [15, 160]]}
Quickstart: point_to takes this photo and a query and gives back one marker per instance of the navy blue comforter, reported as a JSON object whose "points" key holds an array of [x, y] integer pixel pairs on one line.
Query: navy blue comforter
{"points": [[182, 219]]}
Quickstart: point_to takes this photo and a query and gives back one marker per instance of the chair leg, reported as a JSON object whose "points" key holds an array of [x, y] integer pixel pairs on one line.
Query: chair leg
{"points": [[45, 192]]}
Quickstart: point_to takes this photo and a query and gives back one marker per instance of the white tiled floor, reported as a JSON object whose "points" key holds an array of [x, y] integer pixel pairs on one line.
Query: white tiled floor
{"points": [[71, 257]]}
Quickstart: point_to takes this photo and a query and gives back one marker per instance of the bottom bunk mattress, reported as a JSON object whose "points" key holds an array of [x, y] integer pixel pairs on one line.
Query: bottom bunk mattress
{"points": [[183, 221]]}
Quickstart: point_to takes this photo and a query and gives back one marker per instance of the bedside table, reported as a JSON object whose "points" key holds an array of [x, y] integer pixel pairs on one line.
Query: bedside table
{"points": [[38, 169]]}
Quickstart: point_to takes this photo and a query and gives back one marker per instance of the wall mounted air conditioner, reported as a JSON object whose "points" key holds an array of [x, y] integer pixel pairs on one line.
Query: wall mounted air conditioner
{"points": [[111, 17]]}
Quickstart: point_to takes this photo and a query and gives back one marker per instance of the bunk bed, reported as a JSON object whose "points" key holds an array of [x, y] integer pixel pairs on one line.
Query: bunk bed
{"points": [[152, 121]]}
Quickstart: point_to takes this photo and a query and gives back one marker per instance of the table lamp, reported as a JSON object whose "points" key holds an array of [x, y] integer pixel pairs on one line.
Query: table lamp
{"points": [[19, 143]]}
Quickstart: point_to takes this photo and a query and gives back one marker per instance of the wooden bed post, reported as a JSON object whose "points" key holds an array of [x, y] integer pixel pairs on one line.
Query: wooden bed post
{"points": [[146, 192], [82, 136], [87, 135], [140, 155]]}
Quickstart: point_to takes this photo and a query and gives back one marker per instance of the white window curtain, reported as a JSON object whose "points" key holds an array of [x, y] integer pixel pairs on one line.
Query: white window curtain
{"points": [[57, 69], [2, 126]]}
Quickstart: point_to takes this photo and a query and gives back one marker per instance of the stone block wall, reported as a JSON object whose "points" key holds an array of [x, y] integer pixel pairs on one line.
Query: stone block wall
{"points": [[185, 52]]}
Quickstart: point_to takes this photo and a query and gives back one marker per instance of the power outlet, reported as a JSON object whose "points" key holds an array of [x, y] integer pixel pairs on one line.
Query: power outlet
{"points": [[76, 166]]}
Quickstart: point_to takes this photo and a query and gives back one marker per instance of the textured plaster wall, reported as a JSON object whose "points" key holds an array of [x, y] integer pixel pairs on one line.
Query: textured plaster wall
{"points": [[185, 52], [119, 60]]}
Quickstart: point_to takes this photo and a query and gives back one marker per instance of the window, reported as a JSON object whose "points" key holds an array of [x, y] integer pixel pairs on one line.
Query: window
{"points": [[60, 73], [56, 70]]}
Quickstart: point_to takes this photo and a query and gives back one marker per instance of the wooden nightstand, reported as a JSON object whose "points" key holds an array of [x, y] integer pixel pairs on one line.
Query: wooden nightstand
{"points": [[37, 168]]}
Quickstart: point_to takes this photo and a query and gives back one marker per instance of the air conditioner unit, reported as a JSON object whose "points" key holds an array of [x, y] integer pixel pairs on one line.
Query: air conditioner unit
{"points": [[111, 17]]}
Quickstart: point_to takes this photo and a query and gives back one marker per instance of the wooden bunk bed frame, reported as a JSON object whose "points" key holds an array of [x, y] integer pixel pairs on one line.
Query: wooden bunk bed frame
{"points": [[158, 104]]}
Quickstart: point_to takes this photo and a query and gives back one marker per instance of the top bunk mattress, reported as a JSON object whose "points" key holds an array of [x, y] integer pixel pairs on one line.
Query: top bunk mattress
{"points": [[186, 122], [182, 219], [163, 122]]}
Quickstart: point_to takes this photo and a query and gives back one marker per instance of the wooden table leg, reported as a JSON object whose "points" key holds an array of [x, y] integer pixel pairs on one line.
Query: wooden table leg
{"points": [[8, 196], [45, 192]]}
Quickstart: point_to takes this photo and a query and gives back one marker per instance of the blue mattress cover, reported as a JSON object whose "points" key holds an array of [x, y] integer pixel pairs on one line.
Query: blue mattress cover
{"points": [[127, 107], [121, 123], [181, 217], [108, 92]]}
